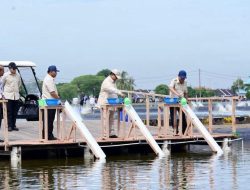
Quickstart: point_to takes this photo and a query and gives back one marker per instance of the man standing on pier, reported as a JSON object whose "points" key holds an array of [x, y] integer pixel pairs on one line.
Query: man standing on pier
{"points": [[49, 91], [178, 87], [11, 82], [1, 93], [109, 90]]}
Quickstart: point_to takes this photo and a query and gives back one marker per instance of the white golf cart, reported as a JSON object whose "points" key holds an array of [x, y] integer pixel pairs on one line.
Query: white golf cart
{"points": [[30, 90]]}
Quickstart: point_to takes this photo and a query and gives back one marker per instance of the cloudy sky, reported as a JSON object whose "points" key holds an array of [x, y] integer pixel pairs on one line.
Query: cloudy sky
{"points": [[151, 40]]}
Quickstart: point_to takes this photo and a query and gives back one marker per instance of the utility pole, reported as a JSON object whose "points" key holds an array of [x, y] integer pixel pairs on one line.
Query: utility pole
{"points": [[200, 81]]}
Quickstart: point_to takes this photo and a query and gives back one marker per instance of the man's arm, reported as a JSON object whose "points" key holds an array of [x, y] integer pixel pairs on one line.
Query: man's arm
{"points": [[171, 87], [174, 91], [3, 80], [54, 95], [110, 89], [19, 81], [186, 95]]}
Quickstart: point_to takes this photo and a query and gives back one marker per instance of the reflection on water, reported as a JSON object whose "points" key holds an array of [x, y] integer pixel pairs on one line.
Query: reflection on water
{"points": [[177, 171]]}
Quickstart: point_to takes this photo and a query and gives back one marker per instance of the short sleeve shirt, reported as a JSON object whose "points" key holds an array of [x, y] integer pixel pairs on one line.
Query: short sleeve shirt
{"points": [[11, 84], [48, 87], [180, 88]]}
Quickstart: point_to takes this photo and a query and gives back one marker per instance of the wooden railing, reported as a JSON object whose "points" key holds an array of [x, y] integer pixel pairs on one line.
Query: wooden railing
{"points": [[5, 123], [147, 95], [63, 134], [210, 101]]}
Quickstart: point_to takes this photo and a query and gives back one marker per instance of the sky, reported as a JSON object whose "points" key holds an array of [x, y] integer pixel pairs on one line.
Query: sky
{"points": [[151, 40]]}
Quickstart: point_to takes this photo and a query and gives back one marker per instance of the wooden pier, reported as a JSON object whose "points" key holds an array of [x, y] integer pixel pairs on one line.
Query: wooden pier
{"points": [[28, 141]]}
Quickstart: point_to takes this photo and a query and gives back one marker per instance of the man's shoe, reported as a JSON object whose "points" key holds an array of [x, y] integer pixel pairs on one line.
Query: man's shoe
{"points": [[9, 129], [113, 136], [15, 129], [51, 137]]}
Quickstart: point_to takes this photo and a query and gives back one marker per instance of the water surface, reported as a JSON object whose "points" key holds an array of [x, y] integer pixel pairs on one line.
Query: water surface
{"points": [[193, 170]]}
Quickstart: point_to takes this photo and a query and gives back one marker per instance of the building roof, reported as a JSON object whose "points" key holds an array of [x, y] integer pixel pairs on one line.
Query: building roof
{"points": [[224, 92]]}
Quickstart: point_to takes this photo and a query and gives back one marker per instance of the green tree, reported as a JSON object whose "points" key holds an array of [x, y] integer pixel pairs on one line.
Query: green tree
{"points": [[104, 72], [126, 82], [88, 84], [197, 92], [191, 92], [67, 91], [162, 89], [248, 94], [238, 84], [205, 92]]}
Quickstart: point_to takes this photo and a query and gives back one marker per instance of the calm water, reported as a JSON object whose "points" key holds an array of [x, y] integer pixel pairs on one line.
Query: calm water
{"points": [[194, 170]]}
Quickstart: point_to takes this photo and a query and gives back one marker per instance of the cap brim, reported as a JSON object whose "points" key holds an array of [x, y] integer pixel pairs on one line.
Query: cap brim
{"points": [[53, 70], [12, 67], [118, 76]]}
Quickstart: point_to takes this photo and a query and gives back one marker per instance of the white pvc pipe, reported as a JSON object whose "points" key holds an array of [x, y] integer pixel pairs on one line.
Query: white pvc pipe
{"points": [[206, 135], [137, 120], [93, 145]]}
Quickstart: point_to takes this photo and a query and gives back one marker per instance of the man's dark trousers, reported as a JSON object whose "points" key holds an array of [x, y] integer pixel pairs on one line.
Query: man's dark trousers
{"points": [[51, 118], [184, 121], [12, 109]]}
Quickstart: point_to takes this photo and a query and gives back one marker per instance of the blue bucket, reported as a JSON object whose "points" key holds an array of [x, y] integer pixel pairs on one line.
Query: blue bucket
{"points": [[114, 101], [53, 102], [168, 100]]}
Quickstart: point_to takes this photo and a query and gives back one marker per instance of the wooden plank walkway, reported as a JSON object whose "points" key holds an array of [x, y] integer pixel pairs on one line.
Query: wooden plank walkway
{"points": [[28, 135]]}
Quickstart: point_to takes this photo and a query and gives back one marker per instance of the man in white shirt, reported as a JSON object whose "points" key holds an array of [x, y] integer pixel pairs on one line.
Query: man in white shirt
{"points": [[11, 82], [109, 90], [1, 93], [178, 88], [49, 91], [92, 102]]}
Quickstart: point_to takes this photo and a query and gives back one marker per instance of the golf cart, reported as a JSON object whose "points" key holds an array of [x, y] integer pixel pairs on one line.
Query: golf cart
{"points": [[30, 90]]}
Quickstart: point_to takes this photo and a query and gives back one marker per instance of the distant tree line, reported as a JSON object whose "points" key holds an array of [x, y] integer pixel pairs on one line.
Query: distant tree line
{"points": [[91, 84], [206, 92], [192, 92]]}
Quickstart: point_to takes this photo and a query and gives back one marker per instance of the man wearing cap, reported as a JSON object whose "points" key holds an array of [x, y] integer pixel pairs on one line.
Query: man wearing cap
{"points": [[49, 91], [109, 90], [11, 82], [178, 87]]}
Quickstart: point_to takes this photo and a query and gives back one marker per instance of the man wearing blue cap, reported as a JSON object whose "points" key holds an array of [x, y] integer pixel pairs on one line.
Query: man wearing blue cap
{"points": [[49, 91], [178, 88]]}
